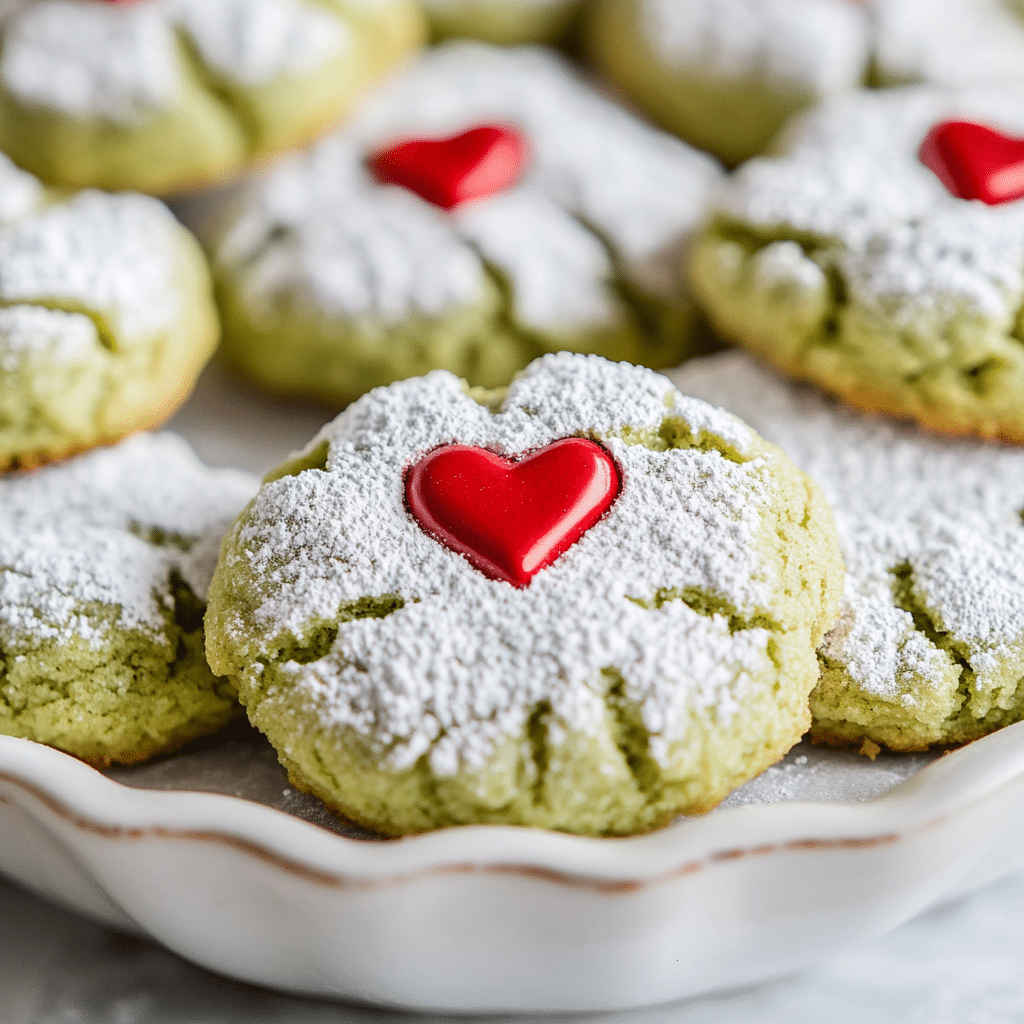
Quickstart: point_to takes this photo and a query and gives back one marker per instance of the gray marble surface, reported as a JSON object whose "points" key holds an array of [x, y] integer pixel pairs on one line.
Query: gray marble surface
{"points": [[958, 964]]}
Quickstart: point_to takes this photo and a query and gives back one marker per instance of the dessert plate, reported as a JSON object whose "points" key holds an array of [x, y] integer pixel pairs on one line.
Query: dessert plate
{"points": [[213, 854], [485, 918]]}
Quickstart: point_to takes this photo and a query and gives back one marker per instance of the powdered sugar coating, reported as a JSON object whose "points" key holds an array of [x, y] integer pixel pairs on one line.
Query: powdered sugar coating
{"points": [[252, 42], [122, 62], [90, 544], [113, 255], [906, 247], [27, 331], [92, 59], [817, 46], [21, 193], [951, 510], [950, 42], [460, 664], [591, 164]]}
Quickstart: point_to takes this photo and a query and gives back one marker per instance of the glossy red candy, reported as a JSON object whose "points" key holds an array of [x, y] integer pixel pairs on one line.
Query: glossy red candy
{"points": [[451, 171], [975, 162], [512, 517]]}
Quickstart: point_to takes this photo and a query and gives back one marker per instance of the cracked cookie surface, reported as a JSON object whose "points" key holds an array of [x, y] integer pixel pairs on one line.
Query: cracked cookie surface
{"points": [[160, 95], [332, 284], [106, 317], [659, 662], [104, 565], [929, 648], [845, 261]]}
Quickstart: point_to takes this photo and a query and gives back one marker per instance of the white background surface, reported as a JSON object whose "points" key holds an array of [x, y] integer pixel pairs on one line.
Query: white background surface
{"points": [[960, 964]]}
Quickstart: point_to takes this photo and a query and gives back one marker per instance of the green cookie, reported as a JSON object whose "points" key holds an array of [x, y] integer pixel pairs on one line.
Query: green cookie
{"points": [[331, 283], [160, 97], [846, 261], [663, 659], [104, 562], [726, 75], [107, 318]]}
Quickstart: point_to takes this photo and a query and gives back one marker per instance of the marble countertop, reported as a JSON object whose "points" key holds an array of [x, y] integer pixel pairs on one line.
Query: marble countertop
{"points": [[958, 964]]}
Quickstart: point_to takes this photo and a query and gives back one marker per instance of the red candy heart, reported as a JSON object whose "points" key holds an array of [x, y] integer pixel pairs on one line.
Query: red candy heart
{"points": [[451, 171], [975, 162], [512, 517]]}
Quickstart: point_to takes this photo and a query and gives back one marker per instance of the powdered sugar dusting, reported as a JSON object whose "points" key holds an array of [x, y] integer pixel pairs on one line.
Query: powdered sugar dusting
{"points": [[91, 543], [591, 163], [21, 194], [850, 174], [463, 661], [252, 42], [123, 62], [27, 331], [114, 255], [92, 59], [951, 510], [818, 46]]}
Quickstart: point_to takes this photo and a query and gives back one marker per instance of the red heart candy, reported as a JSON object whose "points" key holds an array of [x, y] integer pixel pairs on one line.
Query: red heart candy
{"points": [[447, 172], [512, 517], [975, 162]]}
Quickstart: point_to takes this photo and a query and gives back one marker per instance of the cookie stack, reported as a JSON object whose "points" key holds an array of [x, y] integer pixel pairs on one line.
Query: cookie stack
{"points": [[522, 578]]}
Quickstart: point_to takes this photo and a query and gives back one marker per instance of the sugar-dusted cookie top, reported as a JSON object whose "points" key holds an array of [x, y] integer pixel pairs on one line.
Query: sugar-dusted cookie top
{"points": [[90, 87], [90, 545], [564, 252], [929, 648], [855, 259], [712, 552]]}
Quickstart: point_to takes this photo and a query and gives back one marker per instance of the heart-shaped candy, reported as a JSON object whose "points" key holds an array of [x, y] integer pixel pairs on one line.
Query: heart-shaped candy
{"points": [[975, 162], [447, 172], [512, 517]]}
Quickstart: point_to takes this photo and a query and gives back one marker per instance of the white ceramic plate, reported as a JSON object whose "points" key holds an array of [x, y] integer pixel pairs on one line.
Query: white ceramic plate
{"points": [[258, 882], [489, 919]]}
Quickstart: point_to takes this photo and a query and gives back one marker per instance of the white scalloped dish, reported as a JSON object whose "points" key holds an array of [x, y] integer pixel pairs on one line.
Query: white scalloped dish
{"points": [[491, 918], [258, 882]]}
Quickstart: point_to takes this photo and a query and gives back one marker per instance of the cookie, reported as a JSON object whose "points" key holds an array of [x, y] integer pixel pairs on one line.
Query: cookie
{"points": [[106, 317], [726, 75], [486, 207], [929, 647], [852, 259], [505, 22], [585, 603], [160, 95], [104, 564]]}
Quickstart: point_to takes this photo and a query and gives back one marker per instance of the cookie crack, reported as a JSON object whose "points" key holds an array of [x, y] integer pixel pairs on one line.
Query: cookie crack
{"points": [[705, 603], [924, 623], [106, 336], [630, 735], [320, 636]]}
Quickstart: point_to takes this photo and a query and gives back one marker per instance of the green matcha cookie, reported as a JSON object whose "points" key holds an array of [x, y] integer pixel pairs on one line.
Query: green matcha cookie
{"points": [[159, 95], [332, 282], [929, 648], [106, 318], [104, 563], [847, 261], [506, 22], [726, 75], [427, 642]]}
